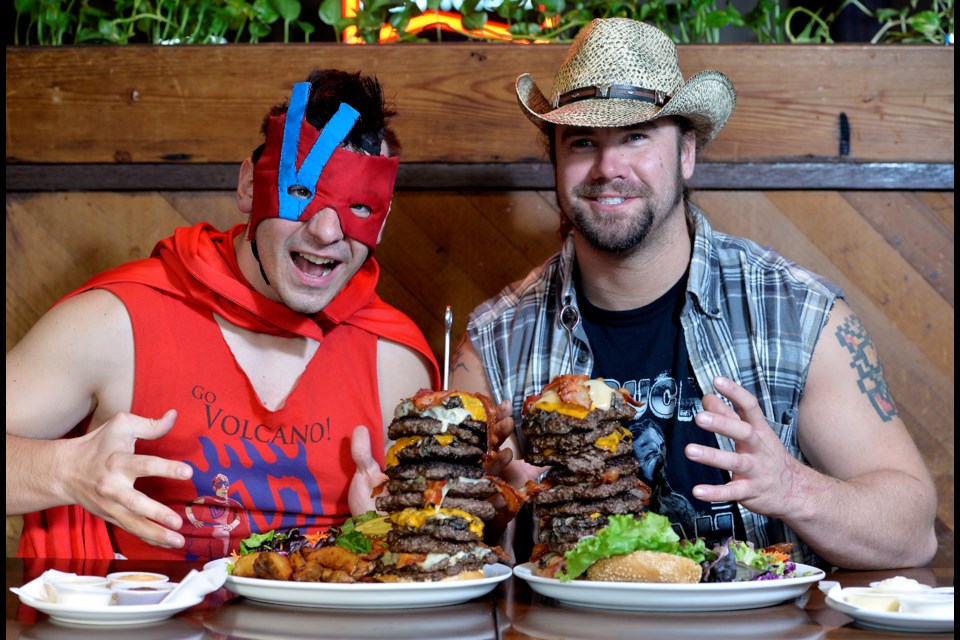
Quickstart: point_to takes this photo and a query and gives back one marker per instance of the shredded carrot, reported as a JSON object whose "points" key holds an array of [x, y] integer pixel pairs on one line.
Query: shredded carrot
{"points": [[314, 538], [779, 555]]}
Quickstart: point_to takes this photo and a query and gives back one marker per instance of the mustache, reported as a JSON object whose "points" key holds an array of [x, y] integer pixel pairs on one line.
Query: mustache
{"points": [[620, 187]]}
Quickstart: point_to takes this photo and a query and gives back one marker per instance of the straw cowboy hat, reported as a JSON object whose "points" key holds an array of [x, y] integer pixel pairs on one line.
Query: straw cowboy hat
{"points": [[620, 72]]}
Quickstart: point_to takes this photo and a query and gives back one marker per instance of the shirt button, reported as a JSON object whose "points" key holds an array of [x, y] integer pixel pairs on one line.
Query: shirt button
{"points": [[582, 358], [715, 310]]}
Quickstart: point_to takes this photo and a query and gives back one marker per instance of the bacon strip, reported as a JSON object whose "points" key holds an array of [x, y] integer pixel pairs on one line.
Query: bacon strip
{"points": [[513, 498], [409, 559], [433, 494], [377, 490]]}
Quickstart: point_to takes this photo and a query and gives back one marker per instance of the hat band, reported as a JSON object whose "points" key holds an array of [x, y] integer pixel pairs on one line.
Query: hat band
{"points": [[622, 91]]}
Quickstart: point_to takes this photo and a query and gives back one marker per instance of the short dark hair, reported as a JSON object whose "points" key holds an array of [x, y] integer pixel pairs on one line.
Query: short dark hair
{"points": [[330, 88]]}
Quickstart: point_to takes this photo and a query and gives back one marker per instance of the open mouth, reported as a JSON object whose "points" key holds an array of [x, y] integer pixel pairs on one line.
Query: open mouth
{"points": [[314, 266]]}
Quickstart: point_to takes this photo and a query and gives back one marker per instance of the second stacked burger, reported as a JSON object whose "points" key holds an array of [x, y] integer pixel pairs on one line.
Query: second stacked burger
{"points": [[438, 489], [575, 426]]}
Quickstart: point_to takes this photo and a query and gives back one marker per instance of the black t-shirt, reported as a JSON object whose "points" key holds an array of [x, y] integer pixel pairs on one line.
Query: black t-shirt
{"points": [[643, 351]]}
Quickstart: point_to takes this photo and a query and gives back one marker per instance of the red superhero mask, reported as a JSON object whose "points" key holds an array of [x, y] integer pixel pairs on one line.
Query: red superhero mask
{"points": [[303, 170]]}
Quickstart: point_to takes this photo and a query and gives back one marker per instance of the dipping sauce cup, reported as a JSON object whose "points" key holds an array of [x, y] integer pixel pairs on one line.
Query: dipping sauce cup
{"points": [[138, 578], [927, 604], [871, 599], [137, 594], [79, 590]]}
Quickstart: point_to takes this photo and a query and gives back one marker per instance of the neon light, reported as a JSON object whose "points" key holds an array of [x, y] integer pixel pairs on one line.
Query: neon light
{"points": [[431, 19]]}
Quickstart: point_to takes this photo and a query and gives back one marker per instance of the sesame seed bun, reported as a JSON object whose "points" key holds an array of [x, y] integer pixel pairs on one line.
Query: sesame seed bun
{"points": [[645, 566]]}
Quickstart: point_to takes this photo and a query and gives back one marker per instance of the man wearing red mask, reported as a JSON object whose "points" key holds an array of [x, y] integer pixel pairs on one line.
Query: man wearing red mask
{"points": [[261, 353]]}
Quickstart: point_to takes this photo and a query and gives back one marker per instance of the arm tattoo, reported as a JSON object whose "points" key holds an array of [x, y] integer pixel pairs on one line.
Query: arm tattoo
{"points": [[866, 361], [457, 364]]}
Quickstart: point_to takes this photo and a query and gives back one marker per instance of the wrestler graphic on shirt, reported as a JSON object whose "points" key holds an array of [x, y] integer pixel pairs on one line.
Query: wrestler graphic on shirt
{"points": [[219, 511], [651, 449]]}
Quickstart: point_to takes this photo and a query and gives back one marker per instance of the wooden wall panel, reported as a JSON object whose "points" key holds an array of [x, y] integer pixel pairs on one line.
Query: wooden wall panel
{"points": [[201, 104], [907, 222], [940, 204], [462, 242], [458, 248], [878, 268]]}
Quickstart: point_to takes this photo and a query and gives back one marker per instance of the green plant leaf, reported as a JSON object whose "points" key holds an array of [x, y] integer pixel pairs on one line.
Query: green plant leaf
{"points": [[476, 21], [331, 12], [927, 23], [307, 29], [52, 22], [264, 12], [25, 6], [289, 10]]}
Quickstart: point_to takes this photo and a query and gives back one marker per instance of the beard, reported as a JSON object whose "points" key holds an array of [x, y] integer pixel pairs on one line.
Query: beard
{"points": [[621, 234]]}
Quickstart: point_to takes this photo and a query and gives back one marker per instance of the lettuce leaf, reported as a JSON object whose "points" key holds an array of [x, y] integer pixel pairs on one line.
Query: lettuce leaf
{"points": [[753, 563], [355, 542], [255, 541], [354, 535], [625, 534], [356, 532]]}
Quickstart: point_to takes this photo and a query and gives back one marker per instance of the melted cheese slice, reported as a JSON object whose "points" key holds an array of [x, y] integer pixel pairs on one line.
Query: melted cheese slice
{"points": [[392, 458], [472, 409], [416, 518], [612, 441], [601, 395]]}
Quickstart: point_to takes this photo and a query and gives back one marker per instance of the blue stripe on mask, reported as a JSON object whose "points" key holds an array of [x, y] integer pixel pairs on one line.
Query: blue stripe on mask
{"points": [[331, 137]]}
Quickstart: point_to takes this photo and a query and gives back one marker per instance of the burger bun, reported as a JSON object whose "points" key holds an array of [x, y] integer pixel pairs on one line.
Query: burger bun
{"points": [[476, 574], [645, 566]]}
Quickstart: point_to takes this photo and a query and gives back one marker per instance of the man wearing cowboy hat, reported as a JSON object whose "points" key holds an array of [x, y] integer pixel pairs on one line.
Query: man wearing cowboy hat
{"points": [[778, 423]]}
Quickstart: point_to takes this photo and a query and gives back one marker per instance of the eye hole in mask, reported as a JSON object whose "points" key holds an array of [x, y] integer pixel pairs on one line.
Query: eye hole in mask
{"points": [[300, 192], [361, 210]]}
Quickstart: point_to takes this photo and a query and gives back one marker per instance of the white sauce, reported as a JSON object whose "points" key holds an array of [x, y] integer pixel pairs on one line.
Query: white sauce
{"points": [[435, 558], [444, 416], [600, 394], [899, 584]]}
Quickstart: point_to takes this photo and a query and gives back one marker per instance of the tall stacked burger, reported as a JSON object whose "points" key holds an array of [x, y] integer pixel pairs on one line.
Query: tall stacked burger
{"points": [[437, 493], [575, 426], [591, 507]]}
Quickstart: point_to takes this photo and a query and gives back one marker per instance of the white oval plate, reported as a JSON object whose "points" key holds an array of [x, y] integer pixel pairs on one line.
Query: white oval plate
{"points": [[108, 616], [393, 595], [645, 596], [890, 620]]}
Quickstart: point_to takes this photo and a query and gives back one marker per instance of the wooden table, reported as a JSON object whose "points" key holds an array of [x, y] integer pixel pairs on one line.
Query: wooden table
{"points": [[512, 611]]}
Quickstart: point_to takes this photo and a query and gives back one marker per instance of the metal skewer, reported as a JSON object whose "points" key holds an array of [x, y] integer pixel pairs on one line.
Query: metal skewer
{"points": [[570, 320], [448, 323]]}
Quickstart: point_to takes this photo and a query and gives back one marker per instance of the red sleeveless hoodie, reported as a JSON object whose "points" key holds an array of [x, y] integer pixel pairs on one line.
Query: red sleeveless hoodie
{"points": [[254, 469]]}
